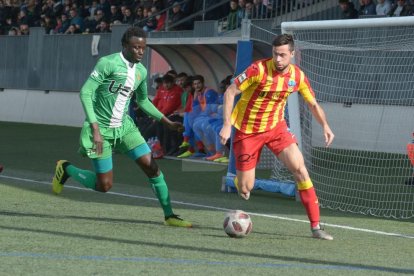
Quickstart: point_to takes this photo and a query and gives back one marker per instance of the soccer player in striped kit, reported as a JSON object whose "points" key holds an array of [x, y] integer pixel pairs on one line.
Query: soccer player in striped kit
{"points": [[105, 97], [258, 119]]}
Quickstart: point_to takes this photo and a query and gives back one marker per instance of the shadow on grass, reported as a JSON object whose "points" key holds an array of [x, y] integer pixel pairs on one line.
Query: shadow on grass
{"points": [[120, 220], [236, 254]]}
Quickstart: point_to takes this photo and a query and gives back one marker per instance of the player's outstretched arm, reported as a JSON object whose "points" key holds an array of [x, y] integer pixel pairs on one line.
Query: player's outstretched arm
{"points": [[228, 102], [320, 116], [177, 126]]}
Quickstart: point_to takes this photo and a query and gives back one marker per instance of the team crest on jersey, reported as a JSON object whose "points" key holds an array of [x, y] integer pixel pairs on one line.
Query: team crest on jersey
{"points": [[291, 85], [242, 77], [138, 77]]}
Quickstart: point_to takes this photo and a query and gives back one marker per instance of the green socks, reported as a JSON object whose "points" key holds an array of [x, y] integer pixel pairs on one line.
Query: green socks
{"points": [[84, 177], [161, 191]]}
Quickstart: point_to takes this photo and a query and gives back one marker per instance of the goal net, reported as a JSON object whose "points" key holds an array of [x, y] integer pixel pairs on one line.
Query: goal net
{"points": [[362, 72]]}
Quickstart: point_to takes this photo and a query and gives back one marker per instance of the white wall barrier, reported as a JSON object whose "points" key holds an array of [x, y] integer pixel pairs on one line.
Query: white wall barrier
{"points": [[40, 107]]}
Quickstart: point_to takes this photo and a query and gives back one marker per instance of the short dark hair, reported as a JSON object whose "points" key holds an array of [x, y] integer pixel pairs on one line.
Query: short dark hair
{"points": [[172, 72], [284, 39], [168, 79], [199, 78], [131, 32], [182, 74]]}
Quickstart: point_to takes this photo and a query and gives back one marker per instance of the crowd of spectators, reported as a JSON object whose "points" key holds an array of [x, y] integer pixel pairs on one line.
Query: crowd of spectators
{"points": [[98, 16], [188, 100], [368, 8], [90, 16]]}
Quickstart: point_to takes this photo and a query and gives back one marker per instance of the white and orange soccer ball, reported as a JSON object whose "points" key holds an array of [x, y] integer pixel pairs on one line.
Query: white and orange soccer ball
{"points": [[237, 224]]}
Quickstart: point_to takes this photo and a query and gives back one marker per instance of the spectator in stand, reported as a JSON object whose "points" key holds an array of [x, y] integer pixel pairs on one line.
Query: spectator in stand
{"points": [[127, 18], [33, 11], [383, 7], [259, 10], [58, 25], [48, 8], [76, 20], [348, 9], [92, 9], [176, 16], [105, 6], [95, 25], [65, 24], [72, 29], [401, 8], [115, 14], [159, 17], [22, 18], [368, 8], [232, 19], [248, 13], [10, 24], [24, 29], [103, 27], [48, 24], [14, 31], [150, 23], [241, 12], [139, 16]]}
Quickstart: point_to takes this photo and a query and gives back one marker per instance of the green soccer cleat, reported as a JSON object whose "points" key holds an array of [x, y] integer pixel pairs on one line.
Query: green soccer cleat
{"points": [[223, 159], [185, 154], [175, 220], [184, 145], [60, 176]]}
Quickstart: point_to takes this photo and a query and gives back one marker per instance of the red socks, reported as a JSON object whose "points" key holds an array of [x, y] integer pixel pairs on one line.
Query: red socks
{"points": [[309, 201]]}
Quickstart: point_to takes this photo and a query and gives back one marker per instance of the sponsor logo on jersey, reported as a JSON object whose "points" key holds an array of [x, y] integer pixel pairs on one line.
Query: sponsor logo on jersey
{"points": [[242, 77], [120, 88]]}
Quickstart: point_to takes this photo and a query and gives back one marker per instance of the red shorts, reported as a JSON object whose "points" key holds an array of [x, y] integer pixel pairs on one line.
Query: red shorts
{"points": [[248, 147]]}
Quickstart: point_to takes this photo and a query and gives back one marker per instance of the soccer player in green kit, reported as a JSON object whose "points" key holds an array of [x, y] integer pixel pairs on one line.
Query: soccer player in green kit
{"points": [[105, 97]]}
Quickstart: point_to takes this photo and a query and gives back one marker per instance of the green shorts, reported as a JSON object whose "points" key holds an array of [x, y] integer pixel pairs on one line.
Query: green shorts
{"points": [[121, 139]]}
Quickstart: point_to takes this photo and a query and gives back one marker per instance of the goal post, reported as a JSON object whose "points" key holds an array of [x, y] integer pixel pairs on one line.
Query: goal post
{"points": [[362, 73]]}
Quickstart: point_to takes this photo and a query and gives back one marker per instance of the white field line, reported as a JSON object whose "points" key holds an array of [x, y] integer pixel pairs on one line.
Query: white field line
{"points": [[223, 209]]}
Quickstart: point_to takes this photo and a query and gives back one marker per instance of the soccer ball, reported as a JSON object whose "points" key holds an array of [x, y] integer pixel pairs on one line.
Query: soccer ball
{"points": [[237, 224]]}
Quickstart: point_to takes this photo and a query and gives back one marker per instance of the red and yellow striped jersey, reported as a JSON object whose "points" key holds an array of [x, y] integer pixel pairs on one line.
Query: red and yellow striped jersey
{"points": [[264, 95]]}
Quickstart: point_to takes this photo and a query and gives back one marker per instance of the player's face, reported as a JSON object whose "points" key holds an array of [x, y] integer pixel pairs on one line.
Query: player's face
{"points": [[198, 85], [134, 49], [281, 57]]}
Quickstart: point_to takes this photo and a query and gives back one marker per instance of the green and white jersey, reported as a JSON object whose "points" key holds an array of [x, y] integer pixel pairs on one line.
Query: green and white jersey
{"points": [[107, 93]]}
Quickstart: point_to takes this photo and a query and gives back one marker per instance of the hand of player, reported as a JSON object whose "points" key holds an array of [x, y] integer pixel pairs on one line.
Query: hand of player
{"points": [[224, 134], [329, 136], [177, 126], [97, 140]]}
